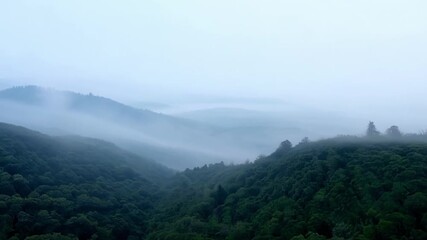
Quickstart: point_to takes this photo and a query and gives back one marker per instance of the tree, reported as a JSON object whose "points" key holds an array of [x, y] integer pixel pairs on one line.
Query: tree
{"points": [[286, 144], [305, 140], [50, 236], [121, 228], [393, 132], [372, 130], [284, 147], [220, 195], [81, 226]]}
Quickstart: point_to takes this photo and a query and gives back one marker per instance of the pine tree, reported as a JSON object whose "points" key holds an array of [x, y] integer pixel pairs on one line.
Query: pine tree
{"points": [[372, 130]]}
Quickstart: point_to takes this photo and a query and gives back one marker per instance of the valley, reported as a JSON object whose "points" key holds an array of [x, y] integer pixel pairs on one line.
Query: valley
{"points": [[340, 188]]}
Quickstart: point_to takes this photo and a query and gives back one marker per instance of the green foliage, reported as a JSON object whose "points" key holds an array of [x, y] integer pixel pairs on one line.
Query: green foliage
{"points": [[71, 188], [50, 236], [342, 188]]}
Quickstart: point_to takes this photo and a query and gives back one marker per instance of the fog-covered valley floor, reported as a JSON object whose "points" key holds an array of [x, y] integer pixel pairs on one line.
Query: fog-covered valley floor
{"points": [[179, 137]]}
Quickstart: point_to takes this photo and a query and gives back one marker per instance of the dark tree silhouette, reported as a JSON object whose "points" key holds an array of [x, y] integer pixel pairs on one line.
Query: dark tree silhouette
{"points": [[284, 147], [394, 132], [220, 195], [305, 140], [372, 130]]}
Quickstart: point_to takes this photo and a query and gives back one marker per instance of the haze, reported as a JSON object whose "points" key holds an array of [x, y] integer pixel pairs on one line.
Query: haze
{"points": [[335, 63]]}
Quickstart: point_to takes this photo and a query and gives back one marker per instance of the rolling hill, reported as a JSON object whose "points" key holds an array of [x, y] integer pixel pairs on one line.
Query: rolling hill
{"points": [[76, 186], [181, 143], [342, 188]]}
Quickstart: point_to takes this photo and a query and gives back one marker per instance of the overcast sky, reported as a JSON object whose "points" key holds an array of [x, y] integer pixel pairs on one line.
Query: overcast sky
{"points": [[335, 54]]}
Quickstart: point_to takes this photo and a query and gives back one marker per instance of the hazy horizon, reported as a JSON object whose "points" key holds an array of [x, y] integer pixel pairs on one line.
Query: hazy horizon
{"points": [[213, 119], [362, 60]]}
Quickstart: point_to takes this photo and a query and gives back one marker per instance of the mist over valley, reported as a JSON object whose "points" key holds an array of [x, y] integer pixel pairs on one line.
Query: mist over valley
{"points": [[181, 140], [213, 120]]}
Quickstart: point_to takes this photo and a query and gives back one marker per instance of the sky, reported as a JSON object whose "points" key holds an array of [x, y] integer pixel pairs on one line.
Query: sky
{"points": [[356, 57]]}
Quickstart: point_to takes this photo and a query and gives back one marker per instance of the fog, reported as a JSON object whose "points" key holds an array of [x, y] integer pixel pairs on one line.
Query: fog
{"points": [[173, 141], [182, 139], [247, 74]]}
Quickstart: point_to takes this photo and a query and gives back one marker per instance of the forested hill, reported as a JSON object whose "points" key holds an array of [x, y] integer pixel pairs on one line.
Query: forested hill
{"points": [[69, 150], [75, 186], [90, 104], [342, 188]]}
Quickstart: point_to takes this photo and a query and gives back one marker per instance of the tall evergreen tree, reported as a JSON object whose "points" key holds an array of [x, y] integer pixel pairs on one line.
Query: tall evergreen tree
{"points": [[372, 130]]}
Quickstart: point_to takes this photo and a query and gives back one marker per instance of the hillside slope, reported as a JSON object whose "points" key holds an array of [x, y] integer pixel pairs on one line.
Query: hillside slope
{"points": [[342, 188], [90, 104], [74, 186], [172, 141], [334, 189]]}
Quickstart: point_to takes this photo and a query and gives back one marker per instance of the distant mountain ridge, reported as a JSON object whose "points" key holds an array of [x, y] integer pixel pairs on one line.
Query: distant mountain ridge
{"points": [[176, 142], [35, 95]]}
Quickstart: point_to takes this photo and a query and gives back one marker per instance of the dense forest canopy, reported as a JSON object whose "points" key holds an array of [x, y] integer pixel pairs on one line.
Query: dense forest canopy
{"points": [[371, 187], [341, 188], [213, 120], [75, 186]]}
